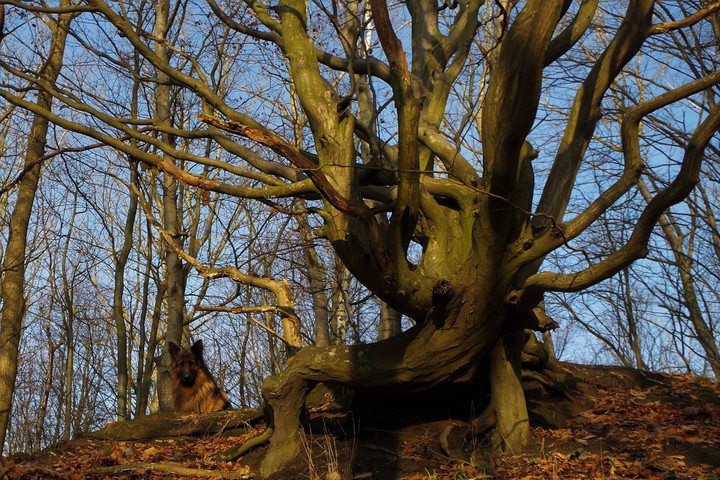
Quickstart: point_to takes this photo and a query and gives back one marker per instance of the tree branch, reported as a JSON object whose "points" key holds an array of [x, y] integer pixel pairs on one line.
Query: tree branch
{"points": [[514, 92], [685, 22], [637, 245], [171, 468], [281, 290], [634, 165], [409, 106], [368, 66], [241, 310], [585, 112], [565, 40], [389, 40], [358, 210], [456, 164]]}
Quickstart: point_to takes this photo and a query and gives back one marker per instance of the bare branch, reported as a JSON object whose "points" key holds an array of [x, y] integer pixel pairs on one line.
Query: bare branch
{"points": [[514, 92], [358, 210], [565, 40], [636, 246], [41, 9], [585, 112], [389, 40], [685, 22]]}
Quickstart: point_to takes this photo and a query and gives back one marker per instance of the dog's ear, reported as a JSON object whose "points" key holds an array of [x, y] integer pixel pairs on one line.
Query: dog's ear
{"points": [[197, 348], [173, 349]]}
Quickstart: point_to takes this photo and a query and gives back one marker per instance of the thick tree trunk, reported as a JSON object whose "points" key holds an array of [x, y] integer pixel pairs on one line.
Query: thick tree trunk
{"points": [[13, 285], [440, 351], [175, 294]]}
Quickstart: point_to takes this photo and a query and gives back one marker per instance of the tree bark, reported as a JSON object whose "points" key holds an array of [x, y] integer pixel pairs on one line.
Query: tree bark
{"points": [[45, 394], [317, 283], [444, 349], [117, 306], [13, 285], [390, 322], [173, 264], [148, 342], [512, 427]]}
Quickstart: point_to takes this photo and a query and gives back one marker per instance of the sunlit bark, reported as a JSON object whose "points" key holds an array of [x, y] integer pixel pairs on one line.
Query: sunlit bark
{"points": [[13, 284], [437, 223]]}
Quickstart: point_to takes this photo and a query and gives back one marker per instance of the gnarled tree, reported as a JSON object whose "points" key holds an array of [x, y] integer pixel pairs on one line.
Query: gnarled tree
{"points": [[438, 223]]}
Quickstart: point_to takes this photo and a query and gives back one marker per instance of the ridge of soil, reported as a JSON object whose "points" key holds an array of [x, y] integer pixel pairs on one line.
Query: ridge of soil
{"points": [[618, 423]]}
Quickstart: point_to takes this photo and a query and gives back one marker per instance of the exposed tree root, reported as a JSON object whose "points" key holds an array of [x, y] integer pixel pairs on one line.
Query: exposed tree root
{"points": [[512, 432], [454, 442], [416, 360], [172, 425], [166, 468], [35, 472], [551, 380], [240, 450], [483, 422]]}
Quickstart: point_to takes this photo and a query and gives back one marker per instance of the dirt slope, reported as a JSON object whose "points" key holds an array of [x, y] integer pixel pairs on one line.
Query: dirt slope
{"points": [[618, 424]]}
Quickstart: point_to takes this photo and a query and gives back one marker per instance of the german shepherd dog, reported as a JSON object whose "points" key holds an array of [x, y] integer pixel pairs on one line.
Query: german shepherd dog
{"points": [[194, 388]]}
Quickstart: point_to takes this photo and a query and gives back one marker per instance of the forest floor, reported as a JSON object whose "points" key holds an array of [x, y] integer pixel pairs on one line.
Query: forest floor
{"points": [[624, 425]]}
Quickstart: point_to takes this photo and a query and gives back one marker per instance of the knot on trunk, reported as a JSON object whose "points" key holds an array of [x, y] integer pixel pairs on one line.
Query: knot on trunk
{"points": [[442, 291]]}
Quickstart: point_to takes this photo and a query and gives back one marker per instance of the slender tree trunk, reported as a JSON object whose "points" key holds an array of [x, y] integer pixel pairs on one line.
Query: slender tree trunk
{"points": [[121, 258], [173, 265], [390, 322], [13, 285], [317, 282], [70, 313], [117, 307], [683, 263], [69, 375], [702, 331], [632, 321], [343, 318], [148, 342], [45, 395], [151, 373], [243, 367]]}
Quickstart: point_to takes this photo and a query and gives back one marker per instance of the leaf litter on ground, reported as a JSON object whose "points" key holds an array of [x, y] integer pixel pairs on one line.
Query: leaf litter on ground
{"points": [[657, 430]]}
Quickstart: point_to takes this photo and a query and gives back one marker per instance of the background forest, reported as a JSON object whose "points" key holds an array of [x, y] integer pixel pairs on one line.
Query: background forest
{"points": [[102, 289]]}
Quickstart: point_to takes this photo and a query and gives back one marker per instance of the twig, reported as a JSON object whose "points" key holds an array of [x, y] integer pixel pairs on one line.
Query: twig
{"points": [[239, 310]]}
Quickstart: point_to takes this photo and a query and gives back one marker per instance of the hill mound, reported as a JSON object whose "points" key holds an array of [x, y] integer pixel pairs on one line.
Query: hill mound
{"points": [[617, 424]]}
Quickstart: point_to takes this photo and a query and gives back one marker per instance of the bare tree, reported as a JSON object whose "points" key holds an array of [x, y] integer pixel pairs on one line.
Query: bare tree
{"points": [[438, 223], [683, 259], [656, 300], [13, 283]]}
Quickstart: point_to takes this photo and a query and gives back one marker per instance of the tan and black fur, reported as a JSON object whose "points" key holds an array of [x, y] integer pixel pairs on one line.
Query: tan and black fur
{"points": [[194, 388]]}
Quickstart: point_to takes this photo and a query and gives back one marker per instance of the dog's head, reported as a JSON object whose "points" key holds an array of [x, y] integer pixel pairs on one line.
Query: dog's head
{"points": [[186, 362]]}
